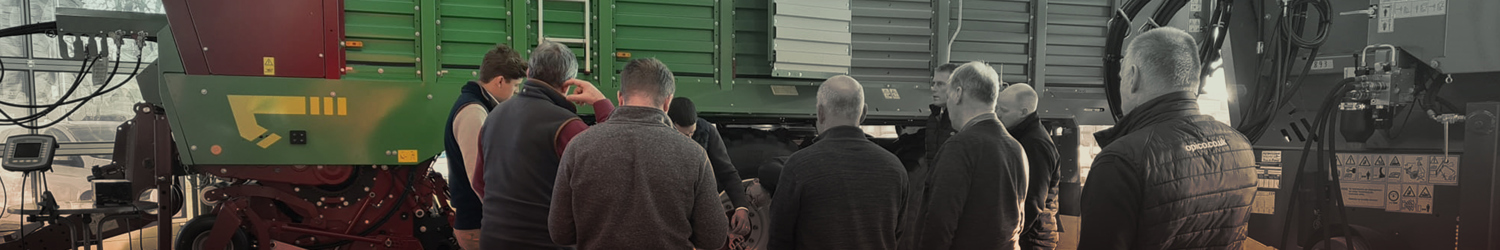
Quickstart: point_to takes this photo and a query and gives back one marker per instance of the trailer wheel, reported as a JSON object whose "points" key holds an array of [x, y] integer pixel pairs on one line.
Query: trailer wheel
{"points": [[195, 233]]}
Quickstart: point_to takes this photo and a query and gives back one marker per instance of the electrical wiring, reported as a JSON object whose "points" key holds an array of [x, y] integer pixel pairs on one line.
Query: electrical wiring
{"points": [[1322, 135], [1324, 23], [27, 121], [1286, 46], [77, 80]]}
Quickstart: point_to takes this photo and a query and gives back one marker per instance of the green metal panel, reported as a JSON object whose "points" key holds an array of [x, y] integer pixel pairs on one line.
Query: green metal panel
{"points": [[604, 40], [428, 43], [724, 43], [379, 118], [679, 33], [752, 47], [468, 29], [388, 30]]}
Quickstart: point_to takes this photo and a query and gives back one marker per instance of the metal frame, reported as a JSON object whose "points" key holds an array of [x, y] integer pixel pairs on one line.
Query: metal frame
{"points": [[587, 41]]}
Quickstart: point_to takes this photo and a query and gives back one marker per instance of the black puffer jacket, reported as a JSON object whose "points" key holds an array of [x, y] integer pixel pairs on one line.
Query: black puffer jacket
{"points": [[1168, 178]]}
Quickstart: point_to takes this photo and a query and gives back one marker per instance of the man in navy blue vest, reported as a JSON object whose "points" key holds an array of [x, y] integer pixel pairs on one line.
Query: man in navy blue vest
{"points": [[499, 74], [521, 154]]}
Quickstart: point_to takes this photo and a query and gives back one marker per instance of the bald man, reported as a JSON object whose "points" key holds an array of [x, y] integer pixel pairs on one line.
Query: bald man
{"points": [[843, 191], [976, 188], [1168, 177], [1016, 107]]}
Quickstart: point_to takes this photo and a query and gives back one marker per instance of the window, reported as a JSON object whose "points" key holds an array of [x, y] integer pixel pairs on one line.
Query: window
{"points": [[35, 73]]}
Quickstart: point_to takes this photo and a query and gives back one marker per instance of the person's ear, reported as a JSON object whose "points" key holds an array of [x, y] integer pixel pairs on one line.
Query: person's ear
{"points": [[863, 111], [496, 80], [820, 116], [955, 95], [667, 105], [1132, 79]]}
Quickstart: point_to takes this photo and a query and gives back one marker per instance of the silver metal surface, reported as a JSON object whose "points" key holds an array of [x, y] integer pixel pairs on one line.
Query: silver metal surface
{"points": [[892, 42], [810, 39]]}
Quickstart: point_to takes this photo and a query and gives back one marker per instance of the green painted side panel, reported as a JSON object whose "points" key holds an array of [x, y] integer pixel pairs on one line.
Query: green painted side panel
{"points": [[755, 98], [470, 28], [751, 42], [389, 32], [381, 117]]}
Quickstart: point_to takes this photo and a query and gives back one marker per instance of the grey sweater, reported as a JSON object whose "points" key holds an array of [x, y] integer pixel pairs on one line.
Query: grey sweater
{"points": [[634, 182]]}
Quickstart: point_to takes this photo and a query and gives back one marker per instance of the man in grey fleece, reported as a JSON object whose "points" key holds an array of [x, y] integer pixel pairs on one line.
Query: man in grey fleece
{"points": [[634, 182]]}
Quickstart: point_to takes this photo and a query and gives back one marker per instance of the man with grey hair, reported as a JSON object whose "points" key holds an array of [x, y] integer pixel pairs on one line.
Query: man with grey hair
{"points": [[1016, 108], [1168, 177], [978, 183], [635, 182], [521, 144], [843, 191]]}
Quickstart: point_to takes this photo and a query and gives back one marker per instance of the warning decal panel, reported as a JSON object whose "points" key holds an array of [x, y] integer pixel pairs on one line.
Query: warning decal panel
{"points": [[1395, 182]]}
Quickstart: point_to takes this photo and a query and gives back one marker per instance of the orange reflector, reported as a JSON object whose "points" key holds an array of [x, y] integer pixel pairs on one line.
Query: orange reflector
{"points": [[354, 44]]}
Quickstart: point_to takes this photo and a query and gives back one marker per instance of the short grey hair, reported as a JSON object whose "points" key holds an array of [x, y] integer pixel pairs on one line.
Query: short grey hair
{"points": [[841, 97], [553, 63], [978, 80], [647, 78], [1167, 53]]}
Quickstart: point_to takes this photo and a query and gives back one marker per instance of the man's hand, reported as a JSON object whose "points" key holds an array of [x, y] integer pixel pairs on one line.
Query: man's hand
{"points": [[739, 223], [583, 93]]}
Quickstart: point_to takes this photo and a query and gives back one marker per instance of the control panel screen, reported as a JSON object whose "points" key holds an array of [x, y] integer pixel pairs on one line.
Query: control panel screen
{"points": [[27, 150]]}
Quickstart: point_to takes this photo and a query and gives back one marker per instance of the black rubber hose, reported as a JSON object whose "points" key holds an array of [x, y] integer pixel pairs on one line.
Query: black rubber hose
{"points": [[1324, 23], [1114, 41], [35, 28], [1320, 123]]}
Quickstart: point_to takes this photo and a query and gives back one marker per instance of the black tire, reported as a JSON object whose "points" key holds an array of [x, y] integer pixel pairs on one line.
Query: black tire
{"points": [[750, 148], [196, 231]]}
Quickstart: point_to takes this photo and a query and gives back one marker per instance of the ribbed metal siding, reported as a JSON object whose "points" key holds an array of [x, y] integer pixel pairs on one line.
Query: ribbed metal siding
{"points": [[892, 41], [997, 32], [679, 33], [470, 28], [1075, 42], [388, 30], [467, 29], [752, 46], [811, 39]]}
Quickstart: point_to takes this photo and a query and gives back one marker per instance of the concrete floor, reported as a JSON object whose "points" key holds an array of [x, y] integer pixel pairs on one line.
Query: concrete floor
{"points": [[1070, 236], [146, 238]]}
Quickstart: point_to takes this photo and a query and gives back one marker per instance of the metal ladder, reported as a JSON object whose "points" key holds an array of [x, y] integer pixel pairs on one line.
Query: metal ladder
{"points": [[588, 48]]}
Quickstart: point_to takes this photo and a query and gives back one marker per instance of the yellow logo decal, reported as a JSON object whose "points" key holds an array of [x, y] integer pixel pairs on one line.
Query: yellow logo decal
{"points": [[268, 66], [245, 107], [406, 155]]}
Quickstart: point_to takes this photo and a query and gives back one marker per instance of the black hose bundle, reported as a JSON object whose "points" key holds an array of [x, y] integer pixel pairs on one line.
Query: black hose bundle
{"points": [[1322, 134], [29, 121]]}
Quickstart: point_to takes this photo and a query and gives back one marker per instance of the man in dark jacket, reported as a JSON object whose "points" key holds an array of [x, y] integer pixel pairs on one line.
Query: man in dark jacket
{"points": [[937, 131], [1168, 177], [501, 72], [635, 182], [685, 119], [1016, 108], [522, 142], [844, 191], [978, 184]]}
